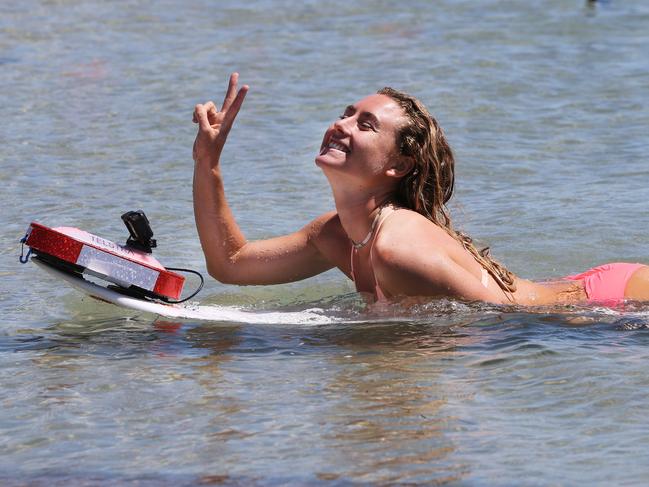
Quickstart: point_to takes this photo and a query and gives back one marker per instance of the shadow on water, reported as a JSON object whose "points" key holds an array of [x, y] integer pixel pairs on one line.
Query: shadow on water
{"points": [[121, 338]]}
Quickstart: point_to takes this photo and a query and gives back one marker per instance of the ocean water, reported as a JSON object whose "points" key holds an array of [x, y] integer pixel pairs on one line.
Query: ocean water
{"points": [[546, 107]]}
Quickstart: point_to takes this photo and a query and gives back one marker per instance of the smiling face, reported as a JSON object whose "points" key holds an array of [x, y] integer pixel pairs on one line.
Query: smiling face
{"points": [[362, 143]]}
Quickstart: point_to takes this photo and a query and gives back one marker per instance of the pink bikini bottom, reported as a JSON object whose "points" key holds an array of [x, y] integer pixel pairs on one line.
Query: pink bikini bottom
{"points": [[606, 283]]}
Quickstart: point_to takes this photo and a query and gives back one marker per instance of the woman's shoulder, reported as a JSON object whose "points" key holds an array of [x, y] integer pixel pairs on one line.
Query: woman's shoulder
{"points": [[405, 233], [404, 226], [326, 226]]}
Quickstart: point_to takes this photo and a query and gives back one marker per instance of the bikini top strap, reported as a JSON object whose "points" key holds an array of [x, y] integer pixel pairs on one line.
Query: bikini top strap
{"points": [[375, 233], [351, 260], [391, 212]]}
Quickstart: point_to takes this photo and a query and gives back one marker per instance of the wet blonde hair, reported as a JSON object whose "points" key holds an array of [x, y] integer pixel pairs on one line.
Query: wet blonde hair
{"points": [[429, 185]]}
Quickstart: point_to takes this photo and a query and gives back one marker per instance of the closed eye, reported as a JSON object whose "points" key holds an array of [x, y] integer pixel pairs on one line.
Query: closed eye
{"points": [[367, 120], [349, 111]]}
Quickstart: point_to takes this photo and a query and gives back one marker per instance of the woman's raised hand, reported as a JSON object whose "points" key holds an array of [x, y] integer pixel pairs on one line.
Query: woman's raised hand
{"points": [[214, 126]]}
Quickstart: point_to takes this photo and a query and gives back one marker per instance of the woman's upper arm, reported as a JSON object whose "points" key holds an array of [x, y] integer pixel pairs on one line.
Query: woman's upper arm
{"points": [[278, 260]]}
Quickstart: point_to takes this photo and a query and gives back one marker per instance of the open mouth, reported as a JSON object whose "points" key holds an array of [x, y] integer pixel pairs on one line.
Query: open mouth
{"points": [[338, 146]]}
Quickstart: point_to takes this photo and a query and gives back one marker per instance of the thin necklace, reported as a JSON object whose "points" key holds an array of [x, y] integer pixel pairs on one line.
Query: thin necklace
{"points": [[368, 237]]}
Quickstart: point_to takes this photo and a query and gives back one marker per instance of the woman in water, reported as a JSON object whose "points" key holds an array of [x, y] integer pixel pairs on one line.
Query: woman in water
{"points": [[392, 173]]}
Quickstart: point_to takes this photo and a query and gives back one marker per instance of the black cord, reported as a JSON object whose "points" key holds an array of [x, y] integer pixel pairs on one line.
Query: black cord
{"points": [[195, 292], [24, 258]]}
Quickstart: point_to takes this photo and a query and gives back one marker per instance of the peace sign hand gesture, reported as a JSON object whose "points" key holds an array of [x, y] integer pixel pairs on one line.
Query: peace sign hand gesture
{"points": [[214, 126]]}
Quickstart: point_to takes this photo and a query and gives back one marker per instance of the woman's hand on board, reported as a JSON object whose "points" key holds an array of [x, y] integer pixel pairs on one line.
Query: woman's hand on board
{"points": [[214, 126]]}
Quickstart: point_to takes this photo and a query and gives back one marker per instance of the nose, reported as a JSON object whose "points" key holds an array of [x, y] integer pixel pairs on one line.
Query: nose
{"points": [[342, 125]]}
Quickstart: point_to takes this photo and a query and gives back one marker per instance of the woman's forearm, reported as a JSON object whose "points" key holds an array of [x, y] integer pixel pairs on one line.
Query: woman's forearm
{"points": [[220, 235]]}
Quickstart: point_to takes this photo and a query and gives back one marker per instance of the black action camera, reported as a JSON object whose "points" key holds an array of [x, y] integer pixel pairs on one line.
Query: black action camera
{"points": [[140, 230]]}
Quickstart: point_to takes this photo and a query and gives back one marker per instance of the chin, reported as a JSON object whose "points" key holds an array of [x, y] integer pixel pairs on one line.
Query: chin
{"points": [[330, 160], [322, 161]]}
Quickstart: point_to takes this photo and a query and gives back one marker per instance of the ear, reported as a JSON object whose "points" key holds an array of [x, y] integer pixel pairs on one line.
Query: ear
{"points": [[401, 166]]}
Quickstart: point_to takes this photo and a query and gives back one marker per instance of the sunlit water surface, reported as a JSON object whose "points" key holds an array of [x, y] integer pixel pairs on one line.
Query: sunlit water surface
{"points": [[546, 107]]}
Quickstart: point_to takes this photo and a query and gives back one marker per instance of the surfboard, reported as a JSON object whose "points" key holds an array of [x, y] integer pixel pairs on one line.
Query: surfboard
{"points": [[185, 312]]}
